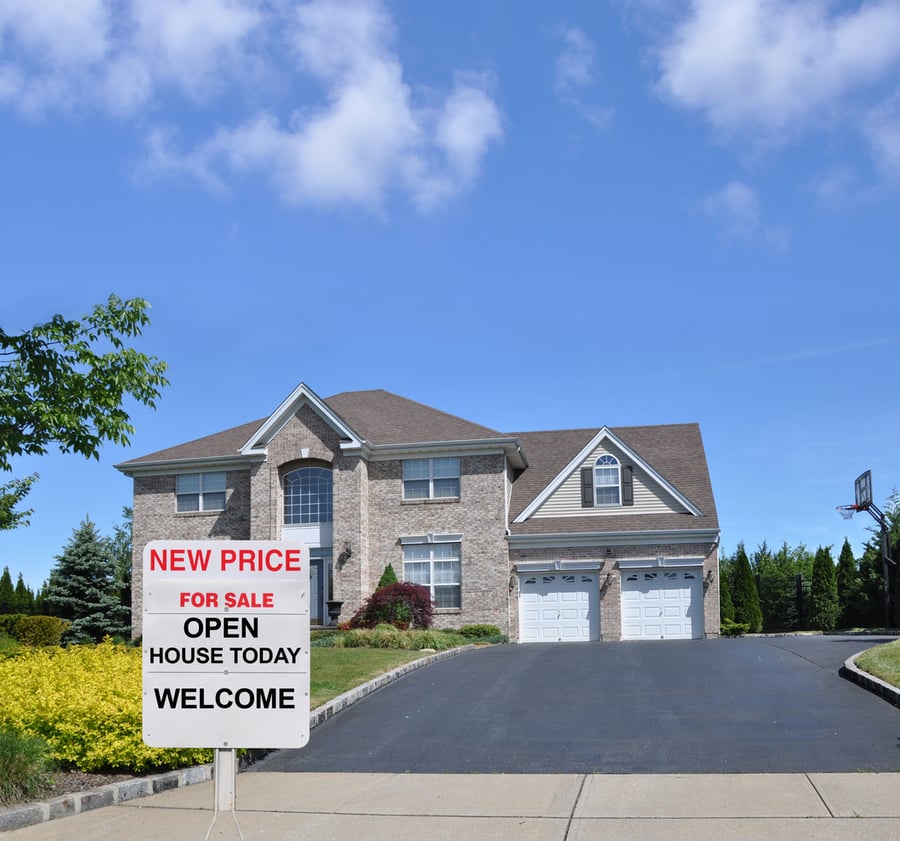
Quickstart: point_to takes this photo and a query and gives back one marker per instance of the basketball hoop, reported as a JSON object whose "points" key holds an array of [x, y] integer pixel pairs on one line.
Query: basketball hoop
{"points": [[847, 511]]}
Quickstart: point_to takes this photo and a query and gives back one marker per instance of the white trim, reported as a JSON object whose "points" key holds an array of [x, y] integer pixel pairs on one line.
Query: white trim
{"points": [[508, 447], [302, 395], [617, 538], [659, 563], [430, 538], [575, 463], [171, 467], [532, 567]]}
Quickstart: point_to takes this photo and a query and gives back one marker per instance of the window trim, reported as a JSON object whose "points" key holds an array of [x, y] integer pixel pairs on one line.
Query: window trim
{"points": [[430, 542], [284, 502], [606, 463], [431, 478], [201, 493]]}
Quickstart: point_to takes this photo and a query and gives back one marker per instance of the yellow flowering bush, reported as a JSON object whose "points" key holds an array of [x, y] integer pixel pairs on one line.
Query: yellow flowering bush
{"points": [[85, 702]]}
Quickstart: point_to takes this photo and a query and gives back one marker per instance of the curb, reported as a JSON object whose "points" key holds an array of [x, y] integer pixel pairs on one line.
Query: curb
{"points": [[65, 805], [851, 671]]}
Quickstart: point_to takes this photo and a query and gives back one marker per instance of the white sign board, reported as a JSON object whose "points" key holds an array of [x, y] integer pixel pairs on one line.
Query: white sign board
{"points": [[226, 644]]}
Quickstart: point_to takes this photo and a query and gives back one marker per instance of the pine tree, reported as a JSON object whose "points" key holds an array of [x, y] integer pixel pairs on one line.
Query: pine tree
{"points": [[726, 605], [824, 607], [848, 585], [120, 545], [388, 577], [7, 593], [744, 595], [82, 588], [24, 597]]}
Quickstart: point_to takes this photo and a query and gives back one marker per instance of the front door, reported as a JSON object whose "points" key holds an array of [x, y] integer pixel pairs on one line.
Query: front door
{"points": [[316, 596]]}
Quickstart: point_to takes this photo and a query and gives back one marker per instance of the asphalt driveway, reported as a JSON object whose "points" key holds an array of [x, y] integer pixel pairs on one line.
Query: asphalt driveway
{"points": [[774, 704]]}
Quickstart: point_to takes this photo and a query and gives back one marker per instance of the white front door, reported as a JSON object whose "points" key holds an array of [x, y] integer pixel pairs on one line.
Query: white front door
{"points": [[559, 607], [662, 604]]}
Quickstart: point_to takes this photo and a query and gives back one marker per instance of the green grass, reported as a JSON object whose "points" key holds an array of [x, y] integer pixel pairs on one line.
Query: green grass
{"points": [[8, 646], [883, 661], [334, 671]]}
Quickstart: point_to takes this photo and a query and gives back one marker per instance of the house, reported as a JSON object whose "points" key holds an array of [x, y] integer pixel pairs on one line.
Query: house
{"points": [[580, 534]]}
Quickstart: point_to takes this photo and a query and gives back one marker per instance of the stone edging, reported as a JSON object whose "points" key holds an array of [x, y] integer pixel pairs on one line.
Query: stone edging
{"points": [[853, 672], [65, 805]]}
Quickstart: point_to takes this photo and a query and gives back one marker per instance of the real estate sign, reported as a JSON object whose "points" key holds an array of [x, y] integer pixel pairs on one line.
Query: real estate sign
{"points": [[226, 644]]}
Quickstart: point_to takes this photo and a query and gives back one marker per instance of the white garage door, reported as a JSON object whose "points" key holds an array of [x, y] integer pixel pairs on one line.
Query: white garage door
{"points": [[559, 607], [662, 604]]}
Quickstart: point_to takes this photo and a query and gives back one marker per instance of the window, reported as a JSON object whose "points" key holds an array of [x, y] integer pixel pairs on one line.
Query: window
{"points": [[436, 566], [308, 496], [200, 492], [606, 481], [431, 478]]}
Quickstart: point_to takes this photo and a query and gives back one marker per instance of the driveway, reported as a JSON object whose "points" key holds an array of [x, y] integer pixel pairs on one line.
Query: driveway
{"points": [[773, 704]]}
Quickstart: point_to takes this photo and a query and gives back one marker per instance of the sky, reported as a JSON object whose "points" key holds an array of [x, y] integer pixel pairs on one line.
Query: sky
{"points": [[530, 215]]}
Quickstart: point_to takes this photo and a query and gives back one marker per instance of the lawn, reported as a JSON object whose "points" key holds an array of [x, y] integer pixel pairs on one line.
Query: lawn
{"points": [[883, 661], [334, 671]]}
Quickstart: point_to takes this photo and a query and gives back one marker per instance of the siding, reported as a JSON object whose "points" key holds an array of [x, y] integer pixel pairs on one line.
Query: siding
{"points": [[649, 496]]}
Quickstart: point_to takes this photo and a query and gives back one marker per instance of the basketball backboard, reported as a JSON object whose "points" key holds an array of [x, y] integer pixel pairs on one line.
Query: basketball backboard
{"points": [[863, 487]]}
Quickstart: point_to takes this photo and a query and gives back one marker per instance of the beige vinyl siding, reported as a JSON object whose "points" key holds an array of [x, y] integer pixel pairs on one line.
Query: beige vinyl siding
{"points": [[649, 496]]}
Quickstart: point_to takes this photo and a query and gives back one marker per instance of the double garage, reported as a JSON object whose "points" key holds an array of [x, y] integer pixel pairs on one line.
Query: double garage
{"points": [[658, 601]]}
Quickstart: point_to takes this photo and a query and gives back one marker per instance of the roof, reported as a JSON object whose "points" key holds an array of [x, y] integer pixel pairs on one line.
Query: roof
{"points": [[674, 451], [380, 418]]}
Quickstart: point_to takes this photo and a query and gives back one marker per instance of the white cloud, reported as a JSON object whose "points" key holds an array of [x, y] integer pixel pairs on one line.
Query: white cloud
{"points": [[882, 130], [576, 74], [362, 139], [365, 141], [770, 67], [737, 209]]}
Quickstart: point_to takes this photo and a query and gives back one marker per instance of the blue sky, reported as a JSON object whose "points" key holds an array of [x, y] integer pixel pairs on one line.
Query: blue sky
{"points": [[531, 215]]}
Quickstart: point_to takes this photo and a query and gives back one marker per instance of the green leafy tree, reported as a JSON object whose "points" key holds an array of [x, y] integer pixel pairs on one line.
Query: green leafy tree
{"points": [[824, 606], [744, 594], [726, 605], [848, 586], [82, 588], [64, 383], [7, 593]]}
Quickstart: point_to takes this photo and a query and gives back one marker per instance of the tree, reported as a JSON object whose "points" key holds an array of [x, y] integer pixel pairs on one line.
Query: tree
{"points": [[388, 577], [64, 382], [726, 605], [7, 593], [744, 594], [846, 578], [82, 588], [120, 545], [24, 597], [824, 607]]}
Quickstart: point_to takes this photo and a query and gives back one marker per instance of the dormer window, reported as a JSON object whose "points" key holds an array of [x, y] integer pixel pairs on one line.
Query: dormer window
{"points": [[607, 490], [607, 483]]}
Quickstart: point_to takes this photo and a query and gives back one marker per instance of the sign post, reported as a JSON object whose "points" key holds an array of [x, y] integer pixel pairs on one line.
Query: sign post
{"points": [[226, 648]]}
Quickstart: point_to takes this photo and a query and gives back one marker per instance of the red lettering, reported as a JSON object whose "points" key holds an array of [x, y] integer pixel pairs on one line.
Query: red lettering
{"points": [[257, 600], [178, 560]]}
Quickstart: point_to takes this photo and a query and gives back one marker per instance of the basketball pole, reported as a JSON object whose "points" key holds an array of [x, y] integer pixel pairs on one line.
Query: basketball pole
{"points": [[886, 559]]}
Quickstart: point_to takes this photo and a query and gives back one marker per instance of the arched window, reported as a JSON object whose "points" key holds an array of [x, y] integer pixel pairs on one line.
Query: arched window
{"points": [[607, 489], [307, 496]]}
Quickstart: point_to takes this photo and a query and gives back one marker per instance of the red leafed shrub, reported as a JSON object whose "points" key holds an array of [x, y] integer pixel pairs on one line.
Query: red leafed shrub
{"points": [[402, 605]]}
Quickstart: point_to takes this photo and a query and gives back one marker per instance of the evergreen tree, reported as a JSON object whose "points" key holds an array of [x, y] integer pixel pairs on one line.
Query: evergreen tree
{"points": [[7, 593], [848, 585], [24, 597], [388, 577], [824, 608], [82, 588], [726, 605], [120, 545], [744, 595]]}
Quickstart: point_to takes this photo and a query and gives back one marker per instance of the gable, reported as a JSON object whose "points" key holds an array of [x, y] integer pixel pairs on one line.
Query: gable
{"points": [[650, 496]]}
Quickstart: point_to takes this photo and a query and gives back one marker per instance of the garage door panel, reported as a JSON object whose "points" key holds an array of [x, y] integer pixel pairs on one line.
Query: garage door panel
{"points": [[665, 605], [568, 607]]}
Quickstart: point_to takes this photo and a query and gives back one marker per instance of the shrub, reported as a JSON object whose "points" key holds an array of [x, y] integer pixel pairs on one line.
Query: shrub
{"points": [[26, 769], [41, 630], [402, 605], [734, 629], [388, 577], [479, 631], [85, 702]]}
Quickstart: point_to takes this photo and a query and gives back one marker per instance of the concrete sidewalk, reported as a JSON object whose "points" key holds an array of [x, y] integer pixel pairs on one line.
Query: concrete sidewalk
{"points": [[567, 807]]}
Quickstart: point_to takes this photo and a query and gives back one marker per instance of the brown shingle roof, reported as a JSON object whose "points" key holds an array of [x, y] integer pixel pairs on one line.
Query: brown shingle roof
{"points": [[218, 445], [675, 451], [381, 417]]}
